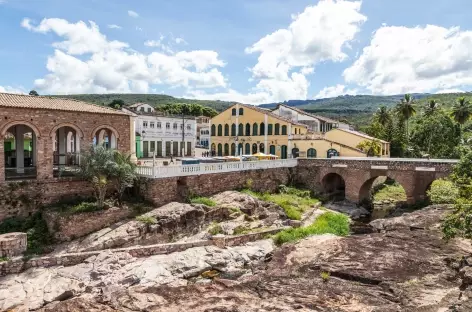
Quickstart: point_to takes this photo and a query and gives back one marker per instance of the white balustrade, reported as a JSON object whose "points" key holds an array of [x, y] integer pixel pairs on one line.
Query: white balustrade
{"points": [[189, 170]]}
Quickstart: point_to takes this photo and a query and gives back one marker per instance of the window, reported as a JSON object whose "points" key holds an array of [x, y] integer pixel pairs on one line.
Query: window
{"points": [[269, 129], [175, 126], [167, 125], [181, 126], [241, 129], [311, 153], [254, 148], [241, 112], [189, 127], [254, 129], [145, 124], [153, 146], [213, 130], [233, 130], [142, 109], [158, 125], [277, 129], [247, 149], [248, 129], [226, 130], [149, 109], [233, 149], [284, 130], [220, 148], [262, 129], [151, 125], [233, 112], [332, 153], [226, 149], [220, 131], [261, 147]]}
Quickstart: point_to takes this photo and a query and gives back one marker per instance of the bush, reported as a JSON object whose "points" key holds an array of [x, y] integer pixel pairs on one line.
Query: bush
{"points": [[329, 222], [215, 229], [443, 192], [325, 276], [4, 259], [146, 219], [204, 201], [459, 223], [84, 207]]}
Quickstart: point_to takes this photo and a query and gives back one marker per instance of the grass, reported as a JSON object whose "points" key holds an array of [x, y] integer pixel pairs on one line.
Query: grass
{"points": [[146, 219], [204, 201], [329, 222], [292, 203], [215, 229], [390, 192], [4, 259]]}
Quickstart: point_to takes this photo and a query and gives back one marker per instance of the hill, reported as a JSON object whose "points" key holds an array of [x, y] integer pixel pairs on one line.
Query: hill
{"points": [[355, 109]]}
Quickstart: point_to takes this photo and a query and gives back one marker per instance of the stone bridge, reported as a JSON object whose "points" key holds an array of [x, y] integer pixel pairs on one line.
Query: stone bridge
{"points": [[356, 175]]}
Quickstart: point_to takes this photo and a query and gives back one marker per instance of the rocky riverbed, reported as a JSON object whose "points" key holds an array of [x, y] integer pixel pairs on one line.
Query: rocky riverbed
{"points": [[404, 265]]}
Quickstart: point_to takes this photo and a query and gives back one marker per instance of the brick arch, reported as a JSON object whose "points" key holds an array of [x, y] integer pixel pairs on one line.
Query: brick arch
{"points": [[94, 131], [10, 124], [332, 180], [366, 185], [76, 128]]}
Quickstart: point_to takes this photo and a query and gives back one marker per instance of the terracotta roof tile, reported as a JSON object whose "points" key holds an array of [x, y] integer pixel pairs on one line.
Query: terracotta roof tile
{"points": [[53, 103], [361, 134]]}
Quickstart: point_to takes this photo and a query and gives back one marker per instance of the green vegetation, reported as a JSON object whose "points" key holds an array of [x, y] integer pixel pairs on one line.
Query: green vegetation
{"points": [[325, 276], [146, 219], [204, 201], [38, 235], [215, 229], [443, 192], [329, 222], [80, 208], [371, 148], [393, 192], [292, 200], [4, 259], [242, 229]]}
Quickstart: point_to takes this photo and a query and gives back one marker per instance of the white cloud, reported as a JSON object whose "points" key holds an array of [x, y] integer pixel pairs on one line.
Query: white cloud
{"points": [[180, 41], [133, 14], [335, 91], [420, 59], [9, 89], [445, 91], [106, 66], [139, 28], [113, 26]]}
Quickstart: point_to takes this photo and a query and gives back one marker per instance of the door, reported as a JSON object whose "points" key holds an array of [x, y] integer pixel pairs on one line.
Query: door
{"points": [[283, 152], [159, 149], [168, 149], [189, 149], [295, 152], [272, 150], [145, 149], [254, 148], [175, 149], [247, 150]]}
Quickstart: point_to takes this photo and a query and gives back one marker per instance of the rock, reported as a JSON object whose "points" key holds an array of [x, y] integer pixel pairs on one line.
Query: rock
{"points": [[352, 210]]}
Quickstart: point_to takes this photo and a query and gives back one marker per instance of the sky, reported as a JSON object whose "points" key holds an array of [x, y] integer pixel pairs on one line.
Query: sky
{"points": [[249, 51]]}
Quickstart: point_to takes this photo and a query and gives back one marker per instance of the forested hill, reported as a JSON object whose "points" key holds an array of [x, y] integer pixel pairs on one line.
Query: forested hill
{"points": [[356, 109]]}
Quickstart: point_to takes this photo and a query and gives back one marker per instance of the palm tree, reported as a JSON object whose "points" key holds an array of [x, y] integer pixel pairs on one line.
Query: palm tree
{"points": [[383, 115], [406, 110], [431, 108], [462, 111]]}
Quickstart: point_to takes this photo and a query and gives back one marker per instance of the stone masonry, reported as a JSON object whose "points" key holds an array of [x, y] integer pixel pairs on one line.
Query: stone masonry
{"points": [[12, 244]]}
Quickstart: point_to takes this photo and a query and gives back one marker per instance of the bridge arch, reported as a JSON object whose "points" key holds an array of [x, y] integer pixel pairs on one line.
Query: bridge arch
{"points": [[366, 188], [333, 183]]}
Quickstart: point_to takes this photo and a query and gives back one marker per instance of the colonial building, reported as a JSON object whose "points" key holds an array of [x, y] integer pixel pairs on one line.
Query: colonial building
{"points": [[248, 129], [41, 137], [163, 135], [203, 130]]}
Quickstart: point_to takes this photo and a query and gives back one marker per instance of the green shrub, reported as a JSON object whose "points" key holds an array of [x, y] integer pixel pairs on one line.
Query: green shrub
{"points": [[204, 201], [146, 219], [4, 259], [215, 229], [84, 207], [249, 184], [443, 192], [325, 276], [329, 222], [241, 230]]}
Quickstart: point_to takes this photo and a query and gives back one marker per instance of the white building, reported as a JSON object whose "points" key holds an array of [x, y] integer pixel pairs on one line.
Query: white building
{"points": [[203, 131], [165, 135], [314, 122]]}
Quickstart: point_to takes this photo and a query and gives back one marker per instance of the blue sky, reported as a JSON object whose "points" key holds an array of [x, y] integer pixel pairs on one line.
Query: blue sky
{"points": [[242, 50]]}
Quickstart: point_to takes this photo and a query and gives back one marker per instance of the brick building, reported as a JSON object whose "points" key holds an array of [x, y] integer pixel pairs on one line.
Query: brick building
{"points": [[41, 136]]}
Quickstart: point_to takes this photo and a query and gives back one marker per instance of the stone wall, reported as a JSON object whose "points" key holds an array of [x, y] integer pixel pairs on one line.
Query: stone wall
{"points": [[19, 264], [66, 227], [12, 244]]}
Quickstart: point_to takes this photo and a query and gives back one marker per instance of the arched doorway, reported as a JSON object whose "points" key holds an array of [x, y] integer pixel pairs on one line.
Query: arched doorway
{"points": [[247, 149], [295, 152], [105, 137], [283, 152], [272, 149], [254, 148], [240, 149], [262, 148], [233, 149], [333, 185], [20, 152], [66, 151], [220, 149], [311, 153], [226, 149]]}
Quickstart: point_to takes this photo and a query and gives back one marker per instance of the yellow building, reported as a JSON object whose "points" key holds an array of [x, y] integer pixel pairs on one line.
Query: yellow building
{"points": [[246, 129]]}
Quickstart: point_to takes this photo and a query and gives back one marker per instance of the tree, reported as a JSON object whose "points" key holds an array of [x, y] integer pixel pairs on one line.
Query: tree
{"points": [[33, 93], [406, 110], [431, 108], [117, 104], [124, 173], [371, 148], [383, 115], [461, 111], [98, 166]]}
